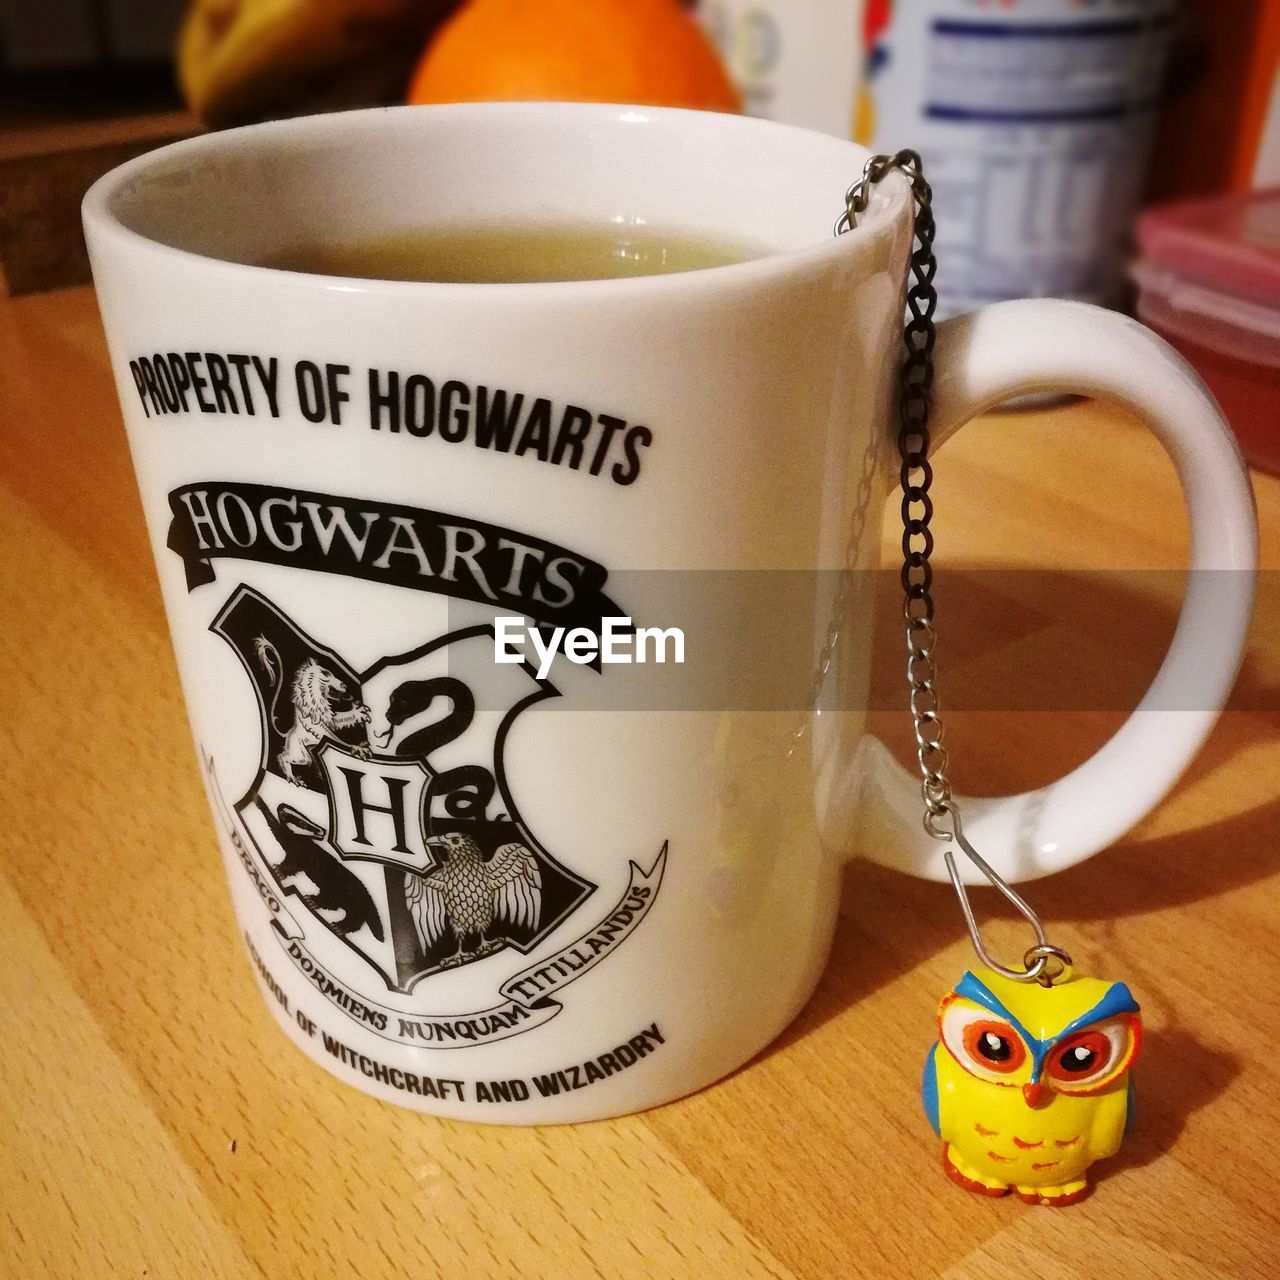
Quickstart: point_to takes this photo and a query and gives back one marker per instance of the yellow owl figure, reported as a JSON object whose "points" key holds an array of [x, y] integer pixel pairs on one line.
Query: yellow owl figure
{"points": [[1027, 1085]]}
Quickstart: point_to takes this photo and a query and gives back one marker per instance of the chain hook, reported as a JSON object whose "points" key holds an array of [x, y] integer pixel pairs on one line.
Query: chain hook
{"points": [[858, 196], [1044, 962]]}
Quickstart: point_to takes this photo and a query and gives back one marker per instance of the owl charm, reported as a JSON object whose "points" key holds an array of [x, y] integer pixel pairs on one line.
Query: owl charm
{"points": [[1028, 1085]]}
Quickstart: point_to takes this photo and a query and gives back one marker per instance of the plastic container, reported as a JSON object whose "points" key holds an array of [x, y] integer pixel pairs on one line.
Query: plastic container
{"points": [[1209, 282], [1035, 121]]}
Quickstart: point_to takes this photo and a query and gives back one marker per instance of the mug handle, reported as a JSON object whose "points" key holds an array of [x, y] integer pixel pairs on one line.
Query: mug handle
{"points": [[1047, 345]]}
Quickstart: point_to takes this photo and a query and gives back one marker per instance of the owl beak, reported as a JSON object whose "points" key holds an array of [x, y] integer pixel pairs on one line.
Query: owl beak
{"points": [[1034, 1094], [435, 842]]}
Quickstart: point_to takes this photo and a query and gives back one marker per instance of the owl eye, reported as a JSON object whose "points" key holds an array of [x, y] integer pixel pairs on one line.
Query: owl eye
{"points": [[995, 1045], [1093, 1057], [983, 1045]]}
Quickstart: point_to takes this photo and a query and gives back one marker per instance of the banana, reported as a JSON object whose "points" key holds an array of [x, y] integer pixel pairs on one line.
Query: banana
{"points": [[243, 60]]}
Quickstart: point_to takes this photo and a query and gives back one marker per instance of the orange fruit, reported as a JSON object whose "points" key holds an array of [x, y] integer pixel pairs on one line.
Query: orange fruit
{"points": [[649, 52]]}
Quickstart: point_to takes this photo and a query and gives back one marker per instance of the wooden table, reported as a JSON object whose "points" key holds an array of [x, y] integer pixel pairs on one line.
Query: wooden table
{"points": [[156, 1123]]}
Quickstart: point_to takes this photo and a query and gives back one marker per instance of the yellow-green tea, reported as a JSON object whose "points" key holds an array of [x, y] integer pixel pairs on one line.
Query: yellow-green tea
{"points": [[518, 254]]}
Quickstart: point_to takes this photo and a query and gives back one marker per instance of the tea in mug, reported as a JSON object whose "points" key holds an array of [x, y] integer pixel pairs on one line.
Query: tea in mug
{"points": [[519, 254]]}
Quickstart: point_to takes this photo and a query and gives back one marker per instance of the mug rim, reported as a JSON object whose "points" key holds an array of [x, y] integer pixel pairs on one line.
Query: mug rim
{"points": [[105, 222]]}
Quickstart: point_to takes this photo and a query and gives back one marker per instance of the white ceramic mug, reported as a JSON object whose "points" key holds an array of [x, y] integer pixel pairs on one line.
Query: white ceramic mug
{"points": [[460, 892]]}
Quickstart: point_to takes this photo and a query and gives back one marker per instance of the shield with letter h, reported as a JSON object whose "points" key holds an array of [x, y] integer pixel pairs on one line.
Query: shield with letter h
{"points": [[381, 805]]}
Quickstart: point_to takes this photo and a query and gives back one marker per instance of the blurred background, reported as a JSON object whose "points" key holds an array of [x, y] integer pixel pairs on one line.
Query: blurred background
{"points": [[1125, 152]]}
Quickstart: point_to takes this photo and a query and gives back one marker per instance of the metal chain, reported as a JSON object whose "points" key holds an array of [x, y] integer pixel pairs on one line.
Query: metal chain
{"points": [[1043, 962], [916, 474]]}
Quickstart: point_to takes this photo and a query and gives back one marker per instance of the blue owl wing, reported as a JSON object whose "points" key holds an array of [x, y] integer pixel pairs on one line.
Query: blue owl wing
{"points": [[929, 1090]]}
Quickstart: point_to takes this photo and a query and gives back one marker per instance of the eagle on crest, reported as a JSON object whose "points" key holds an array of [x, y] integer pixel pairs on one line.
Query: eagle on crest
{"points": [[466, 894]]}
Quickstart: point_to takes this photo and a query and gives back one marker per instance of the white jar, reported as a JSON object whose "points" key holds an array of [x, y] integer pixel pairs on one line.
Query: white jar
{"points": [[798, 61]]}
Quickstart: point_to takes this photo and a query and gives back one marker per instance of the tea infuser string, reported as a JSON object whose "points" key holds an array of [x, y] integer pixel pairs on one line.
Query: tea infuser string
{"points": [[1044, 962]]}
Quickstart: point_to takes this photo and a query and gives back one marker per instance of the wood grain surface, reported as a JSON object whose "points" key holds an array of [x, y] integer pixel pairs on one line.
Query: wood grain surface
{"points": [[155, 1123]]}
